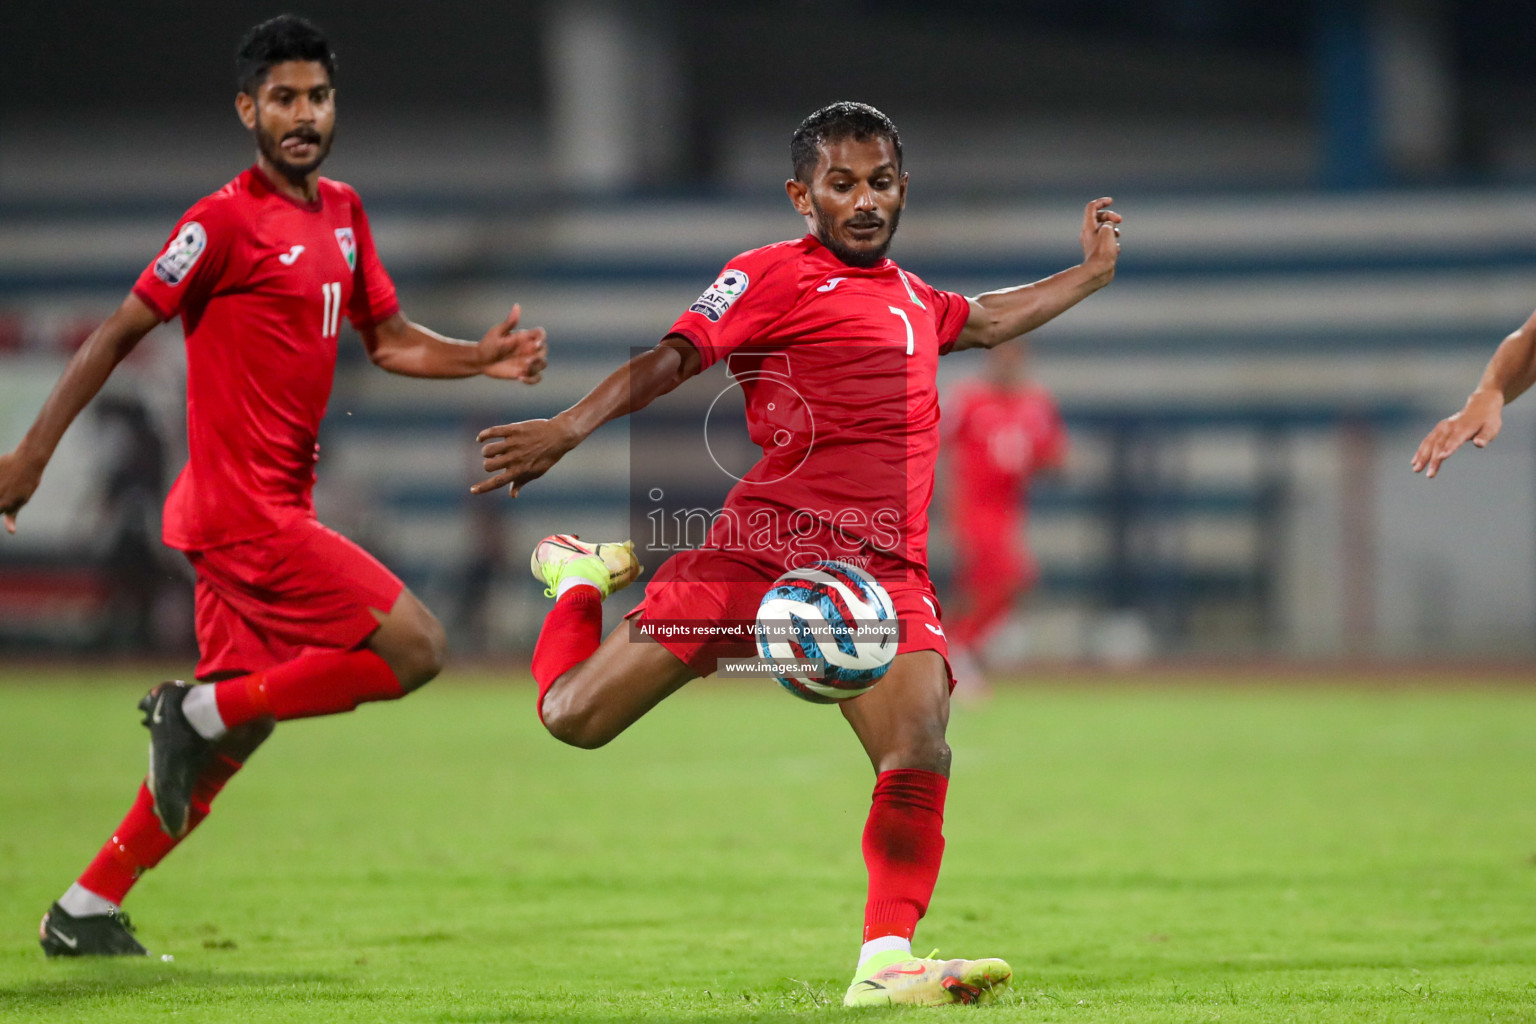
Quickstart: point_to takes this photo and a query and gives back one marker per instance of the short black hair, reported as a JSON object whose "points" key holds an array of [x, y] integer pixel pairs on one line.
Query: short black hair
{"points": [[834, 123], [276, 41]]}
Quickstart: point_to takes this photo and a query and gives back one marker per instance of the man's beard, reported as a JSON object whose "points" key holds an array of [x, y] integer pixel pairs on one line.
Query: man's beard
{"points": [[854, 257], [271, 148]]}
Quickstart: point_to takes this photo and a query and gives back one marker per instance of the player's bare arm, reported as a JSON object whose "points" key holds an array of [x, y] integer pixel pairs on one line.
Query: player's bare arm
{"points": [[519, 452], [22, 470], [1510, 372], [1002, 315], [505, 352]]}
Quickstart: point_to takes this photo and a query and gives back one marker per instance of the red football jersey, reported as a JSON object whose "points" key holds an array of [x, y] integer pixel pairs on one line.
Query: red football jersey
{"points": [[838, 367], [260, 281], [997, 439]]}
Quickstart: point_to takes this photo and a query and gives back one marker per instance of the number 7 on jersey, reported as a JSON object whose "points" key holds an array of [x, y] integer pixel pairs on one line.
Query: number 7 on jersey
{"points": [[908, 324]]}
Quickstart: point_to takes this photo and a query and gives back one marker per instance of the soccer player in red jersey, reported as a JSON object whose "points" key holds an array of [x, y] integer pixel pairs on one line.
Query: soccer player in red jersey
{"points": [[1002, 430], [293, 620], [837, 351]]}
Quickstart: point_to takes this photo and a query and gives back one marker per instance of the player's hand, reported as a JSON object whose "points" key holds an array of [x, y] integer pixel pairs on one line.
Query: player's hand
{"points": [[19, 478], [519, 452], [1101, 238], [510, 354], [1479, 421]]}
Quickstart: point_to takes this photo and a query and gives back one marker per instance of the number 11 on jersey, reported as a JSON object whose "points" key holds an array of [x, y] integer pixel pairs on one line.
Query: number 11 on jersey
{"points": [[330, 320], [908, 323]]}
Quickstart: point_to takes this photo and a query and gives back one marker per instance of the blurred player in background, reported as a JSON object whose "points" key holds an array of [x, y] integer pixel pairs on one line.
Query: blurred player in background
{"points": [[1508, 375], [859, 339], [293, 620], [1000, 431]]}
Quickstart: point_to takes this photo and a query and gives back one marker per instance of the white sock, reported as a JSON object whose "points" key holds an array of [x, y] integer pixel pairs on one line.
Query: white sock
{"points": [[575, 581], [78, 901], [884, 944], [202, 712]]}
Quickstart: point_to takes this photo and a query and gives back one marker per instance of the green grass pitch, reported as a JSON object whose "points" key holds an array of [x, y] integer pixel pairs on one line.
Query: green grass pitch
{"points": [[1158, 852]]}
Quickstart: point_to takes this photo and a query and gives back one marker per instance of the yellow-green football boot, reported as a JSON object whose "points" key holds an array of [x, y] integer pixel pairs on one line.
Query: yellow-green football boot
{"points": [[608, 567], [898, 978]]}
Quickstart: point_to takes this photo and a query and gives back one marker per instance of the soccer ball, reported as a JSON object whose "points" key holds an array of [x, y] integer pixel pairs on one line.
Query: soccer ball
{"points": [[831, 611]]}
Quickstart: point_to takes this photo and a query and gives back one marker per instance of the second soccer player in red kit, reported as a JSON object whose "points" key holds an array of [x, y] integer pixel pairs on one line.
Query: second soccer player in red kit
{"points": [[1002, 430], [836, 350], [293, 620]]}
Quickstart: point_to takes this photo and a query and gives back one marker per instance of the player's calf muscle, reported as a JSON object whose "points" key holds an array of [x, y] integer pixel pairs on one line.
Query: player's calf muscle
{"points": [[241, 742], [606, 694]]}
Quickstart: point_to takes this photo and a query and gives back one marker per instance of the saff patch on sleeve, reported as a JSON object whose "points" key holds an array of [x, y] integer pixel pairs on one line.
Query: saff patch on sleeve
{"points": [[721, 295], [182, 254]]}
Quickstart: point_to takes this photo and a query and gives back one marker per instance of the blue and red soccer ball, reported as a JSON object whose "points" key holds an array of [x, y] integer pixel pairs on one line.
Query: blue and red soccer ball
{"points": [[832, 612]]}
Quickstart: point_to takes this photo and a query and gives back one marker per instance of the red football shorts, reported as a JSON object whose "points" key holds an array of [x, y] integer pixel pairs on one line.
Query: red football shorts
{"points": [[708, 586], [266, 601]]}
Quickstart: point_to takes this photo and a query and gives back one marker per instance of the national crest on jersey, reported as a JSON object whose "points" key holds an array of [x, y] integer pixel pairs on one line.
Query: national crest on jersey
{"points": [[348, 245], [721, 295], [182, 253]]}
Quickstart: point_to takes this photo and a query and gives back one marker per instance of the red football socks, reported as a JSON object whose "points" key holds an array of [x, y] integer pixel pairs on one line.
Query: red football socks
{"points": [[139, 843], [572, 630], [903, 846], [324, 683]]}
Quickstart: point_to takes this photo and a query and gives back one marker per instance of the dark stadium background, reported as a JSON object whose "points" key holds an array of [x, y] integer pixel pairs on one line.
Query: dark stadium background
{"points": [[1329, 226]]}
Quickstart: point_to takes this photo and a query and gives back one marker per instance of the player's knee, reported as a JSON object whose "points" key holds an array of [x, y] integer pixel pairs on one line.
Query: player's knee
{"points": [[925, 752], [418, 656], [411, 641], [437, 646], [431, 652], [576, 733], [572, 720]]}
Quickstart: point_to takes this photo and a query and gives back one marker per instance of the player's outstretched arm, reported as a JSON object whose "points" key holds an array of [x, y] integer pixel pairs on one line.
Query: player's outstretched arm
{"points": [[409, 349], [1509, 373], [21, 470], [519, 452], [999, 316]]}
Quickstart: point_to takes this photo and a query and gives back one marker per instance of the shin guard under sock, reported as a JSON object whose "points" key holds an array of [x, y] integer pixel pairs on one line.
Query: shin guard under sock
{"points": [[572, 631], [139, 843], [903, 847], [323, 683]]}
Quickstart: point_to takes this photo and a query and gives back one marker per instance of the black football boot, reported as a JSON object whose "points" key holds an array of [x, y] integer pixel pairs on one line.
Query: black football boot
{"points": [[62, 934], [177, 755]]}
